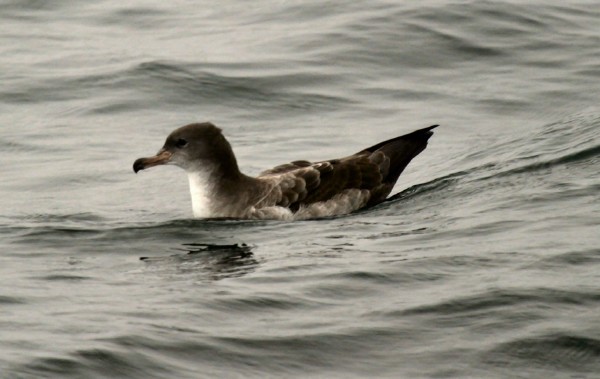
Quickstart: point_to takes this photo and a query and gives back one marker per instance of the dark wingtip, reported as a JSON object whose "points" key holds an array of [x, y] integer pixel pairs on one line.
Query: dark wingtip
{"points": [[421, 132], [419, 135], [427, 129]]}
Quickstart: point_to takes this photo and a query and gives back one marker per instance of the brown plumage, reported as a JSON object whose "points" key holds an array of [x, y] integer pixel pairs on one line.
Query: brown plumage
{"points": [[296, 190]]}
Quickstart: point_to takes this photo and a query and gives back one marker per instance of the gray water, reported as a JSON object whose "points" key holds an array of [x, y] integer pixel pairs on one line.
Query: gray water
{"points": [[484, 264]]}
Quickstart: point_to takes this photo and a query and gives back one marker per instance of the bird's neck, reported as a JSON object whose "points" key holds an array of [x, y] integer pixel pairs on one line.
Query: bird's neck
{"points": [[215, 190], [202, 190]]}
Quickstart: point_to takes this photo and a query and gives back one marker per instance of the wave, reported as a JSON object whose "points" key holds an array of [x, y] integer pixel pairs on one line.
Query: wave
{"points": [[95, 363], [10, 300], [181, 83], [557, 351], [507, 299]]}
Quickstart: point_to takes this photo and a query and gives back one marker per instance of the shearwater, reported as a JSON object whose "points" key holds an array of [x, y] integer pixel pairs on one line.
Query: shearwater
{"points": [[291, 191]]}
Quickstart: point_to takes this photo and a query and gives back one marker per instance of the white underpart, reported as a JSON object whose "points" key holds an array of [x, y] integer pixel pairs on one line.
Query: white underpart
{"points": [[201, 194]]}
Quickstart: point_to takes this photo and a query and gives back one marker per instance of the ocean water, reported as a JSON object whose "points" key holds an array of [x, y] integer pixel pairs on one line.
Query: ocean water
{"points": [[485, 263]]}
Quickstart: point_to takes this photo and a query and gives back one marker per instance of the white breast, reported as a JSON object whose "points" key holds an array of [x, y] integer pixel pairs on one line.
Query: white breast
{"points": [[201, 192]]}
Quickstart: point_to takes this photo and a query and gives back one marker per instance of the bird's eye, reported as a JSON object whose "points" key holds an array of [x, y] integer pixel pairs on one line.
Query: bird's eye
{"points": [[180, 143]]}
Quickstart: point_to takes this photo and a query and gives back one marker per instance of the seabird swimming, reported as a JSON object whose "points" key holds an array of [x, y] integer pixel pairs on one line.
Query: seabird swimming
{"points": [[292, 191]]}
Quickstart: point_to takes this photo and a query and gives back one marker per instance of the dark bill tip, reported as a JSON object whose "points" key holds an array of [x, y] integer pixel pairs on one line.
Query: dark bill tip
{"points": [[138, 165], [162, 157]]}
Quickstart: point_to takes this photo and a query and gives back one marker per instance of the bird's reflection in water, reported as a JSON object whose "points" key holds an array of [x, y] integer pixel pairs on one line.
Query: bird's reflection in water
{"points": [[213, 262]]}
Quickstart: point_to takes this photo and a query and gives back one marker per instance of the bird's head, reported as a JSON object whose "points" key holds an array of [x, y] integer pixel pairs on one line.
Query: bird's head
{"points": [[192, 147]]}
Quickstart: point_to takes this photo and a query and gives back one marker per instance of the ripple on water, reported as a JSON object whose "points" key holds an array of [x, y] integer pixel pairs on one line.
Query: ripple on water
{"points": [[563, 352]]}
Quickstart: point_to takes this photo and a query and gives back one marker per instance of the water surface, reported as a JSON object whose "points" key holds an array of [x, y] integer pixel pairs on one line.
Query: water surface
{"points": [[483, 264]]}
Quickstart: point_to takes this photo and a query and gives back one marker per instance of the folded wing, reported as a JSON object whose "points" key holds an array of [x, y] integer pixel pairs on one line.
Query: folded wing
{"points": [[375, 170]]}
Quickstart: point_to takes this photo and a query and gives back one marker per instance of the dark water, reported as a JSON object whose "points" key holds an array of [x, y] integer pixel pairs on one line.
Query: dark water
{"points": [[486, 264]]}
